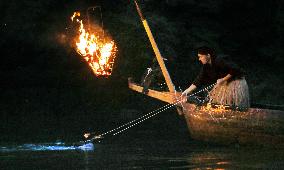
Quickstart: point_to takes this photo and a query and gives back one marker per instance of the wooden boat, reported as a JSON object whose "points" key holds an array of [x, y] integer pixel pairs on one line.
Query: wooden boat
{"points": [[254, 127]]}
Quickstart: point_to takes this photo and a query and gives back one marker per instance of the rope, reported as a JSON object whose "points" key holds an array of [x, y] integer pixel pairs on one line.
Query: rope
{"points": [[134, 120], [149, 115], [170, 105]]}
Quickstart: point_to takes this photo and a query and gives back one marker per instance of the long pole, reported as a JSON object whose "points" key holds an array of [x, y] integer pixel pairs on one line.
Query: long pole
{"points": [[159, 57], [156, 50]]}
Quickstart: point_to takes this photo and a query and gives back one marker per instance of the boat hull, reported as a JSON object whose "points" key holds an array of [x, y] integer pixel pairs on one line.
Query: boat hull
{"points": [[254, 127]]}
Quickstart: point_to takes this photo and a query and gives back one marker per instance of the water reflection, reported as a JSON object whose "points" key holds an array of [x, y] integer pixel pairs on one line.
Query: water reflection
{"points": [[57, 146], [138, 155], [128, 152], [221, 159], [201, 161]]}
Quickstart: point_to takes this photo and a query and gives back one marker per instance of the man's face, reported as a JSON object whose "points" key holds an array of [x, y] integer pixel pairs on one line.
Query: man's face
{"points": [[203, 58]]}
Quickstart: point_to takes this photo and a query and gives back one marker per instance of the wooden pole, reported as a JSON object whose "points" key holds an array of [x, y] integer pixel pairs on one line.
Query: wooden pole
{"points": [[158, 54], [156, 51]]}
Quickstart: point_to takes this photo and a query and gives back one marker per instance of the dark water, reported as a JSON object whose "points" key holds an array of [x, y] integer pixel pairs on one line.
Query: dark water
{"points": [[162, 142], [142, 149]]}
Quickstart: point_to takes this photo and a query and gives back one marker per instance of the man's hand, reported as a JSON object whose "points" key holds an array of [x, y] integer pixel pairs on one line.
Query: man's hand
{"points": [[224, 80], [183, 97], [179, 97], [221, 81]]}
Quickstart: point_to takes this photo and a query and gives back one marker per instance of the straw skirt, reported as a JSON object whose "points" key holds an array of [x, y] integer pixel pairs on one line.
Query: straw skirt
{"points": [[234, 94]]}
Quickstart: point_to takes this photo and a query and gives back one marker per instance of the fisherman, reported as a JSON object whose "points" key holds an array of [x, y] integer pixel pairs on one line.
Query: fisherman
{"points": [[231, 88]]}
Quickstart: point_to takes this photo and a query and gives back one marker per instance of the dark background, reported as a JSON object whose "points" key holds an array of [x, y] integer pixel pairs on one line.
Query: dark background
{"points": [[48, 90]]}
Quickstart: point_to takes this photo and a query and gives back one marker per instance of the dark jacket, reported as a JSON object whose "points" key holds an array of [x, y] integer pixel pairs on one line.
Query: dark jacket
{"points": [[220, 67]]}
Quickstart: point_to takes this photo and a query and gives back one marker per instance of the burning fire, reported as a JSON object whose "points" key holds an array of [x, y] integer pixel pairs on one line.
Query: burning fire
{"points": [[216, 108], [96, 51]]}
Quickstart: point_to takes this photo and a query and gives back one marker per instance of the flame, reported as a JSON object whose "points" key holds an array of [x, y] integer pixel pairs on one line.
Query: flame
{"points": [[215, 109], [76, 14], [99, 54]]}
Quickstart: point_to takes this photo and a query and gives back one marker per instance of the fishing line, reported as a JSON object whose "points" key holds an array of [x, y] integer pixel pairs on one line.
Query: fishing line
{"points": [[105, 133], [145, 118], [151, 114], [168, 106]]}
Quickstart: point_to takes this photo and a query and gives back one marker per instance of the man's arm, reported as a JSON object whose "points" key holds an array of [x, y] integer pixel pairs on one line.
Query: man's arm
{"points": [[224, 79], [189, 90], [183, 96]]}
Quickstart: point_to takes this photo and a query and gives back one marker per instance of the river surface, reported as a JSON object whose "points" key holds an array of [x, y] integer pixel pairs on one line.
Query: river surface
{"points": [[162, 142], [142, 149]]}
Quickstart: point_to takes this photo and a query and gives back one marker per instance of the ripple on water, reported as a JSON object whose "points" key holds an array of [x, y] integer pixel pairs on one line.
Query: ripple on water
{"points": [[57, 146]]}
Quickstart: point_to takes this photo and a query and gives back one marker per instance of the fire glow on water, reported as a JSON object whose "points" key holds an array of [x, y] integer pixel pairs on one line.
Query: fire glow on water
{"points": [[98, 52]]}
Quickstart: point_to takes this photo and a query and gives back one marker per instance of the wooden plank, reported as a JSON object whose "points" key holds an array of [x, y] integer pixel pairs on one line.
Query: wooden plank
{"points": [[167, 97]]}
